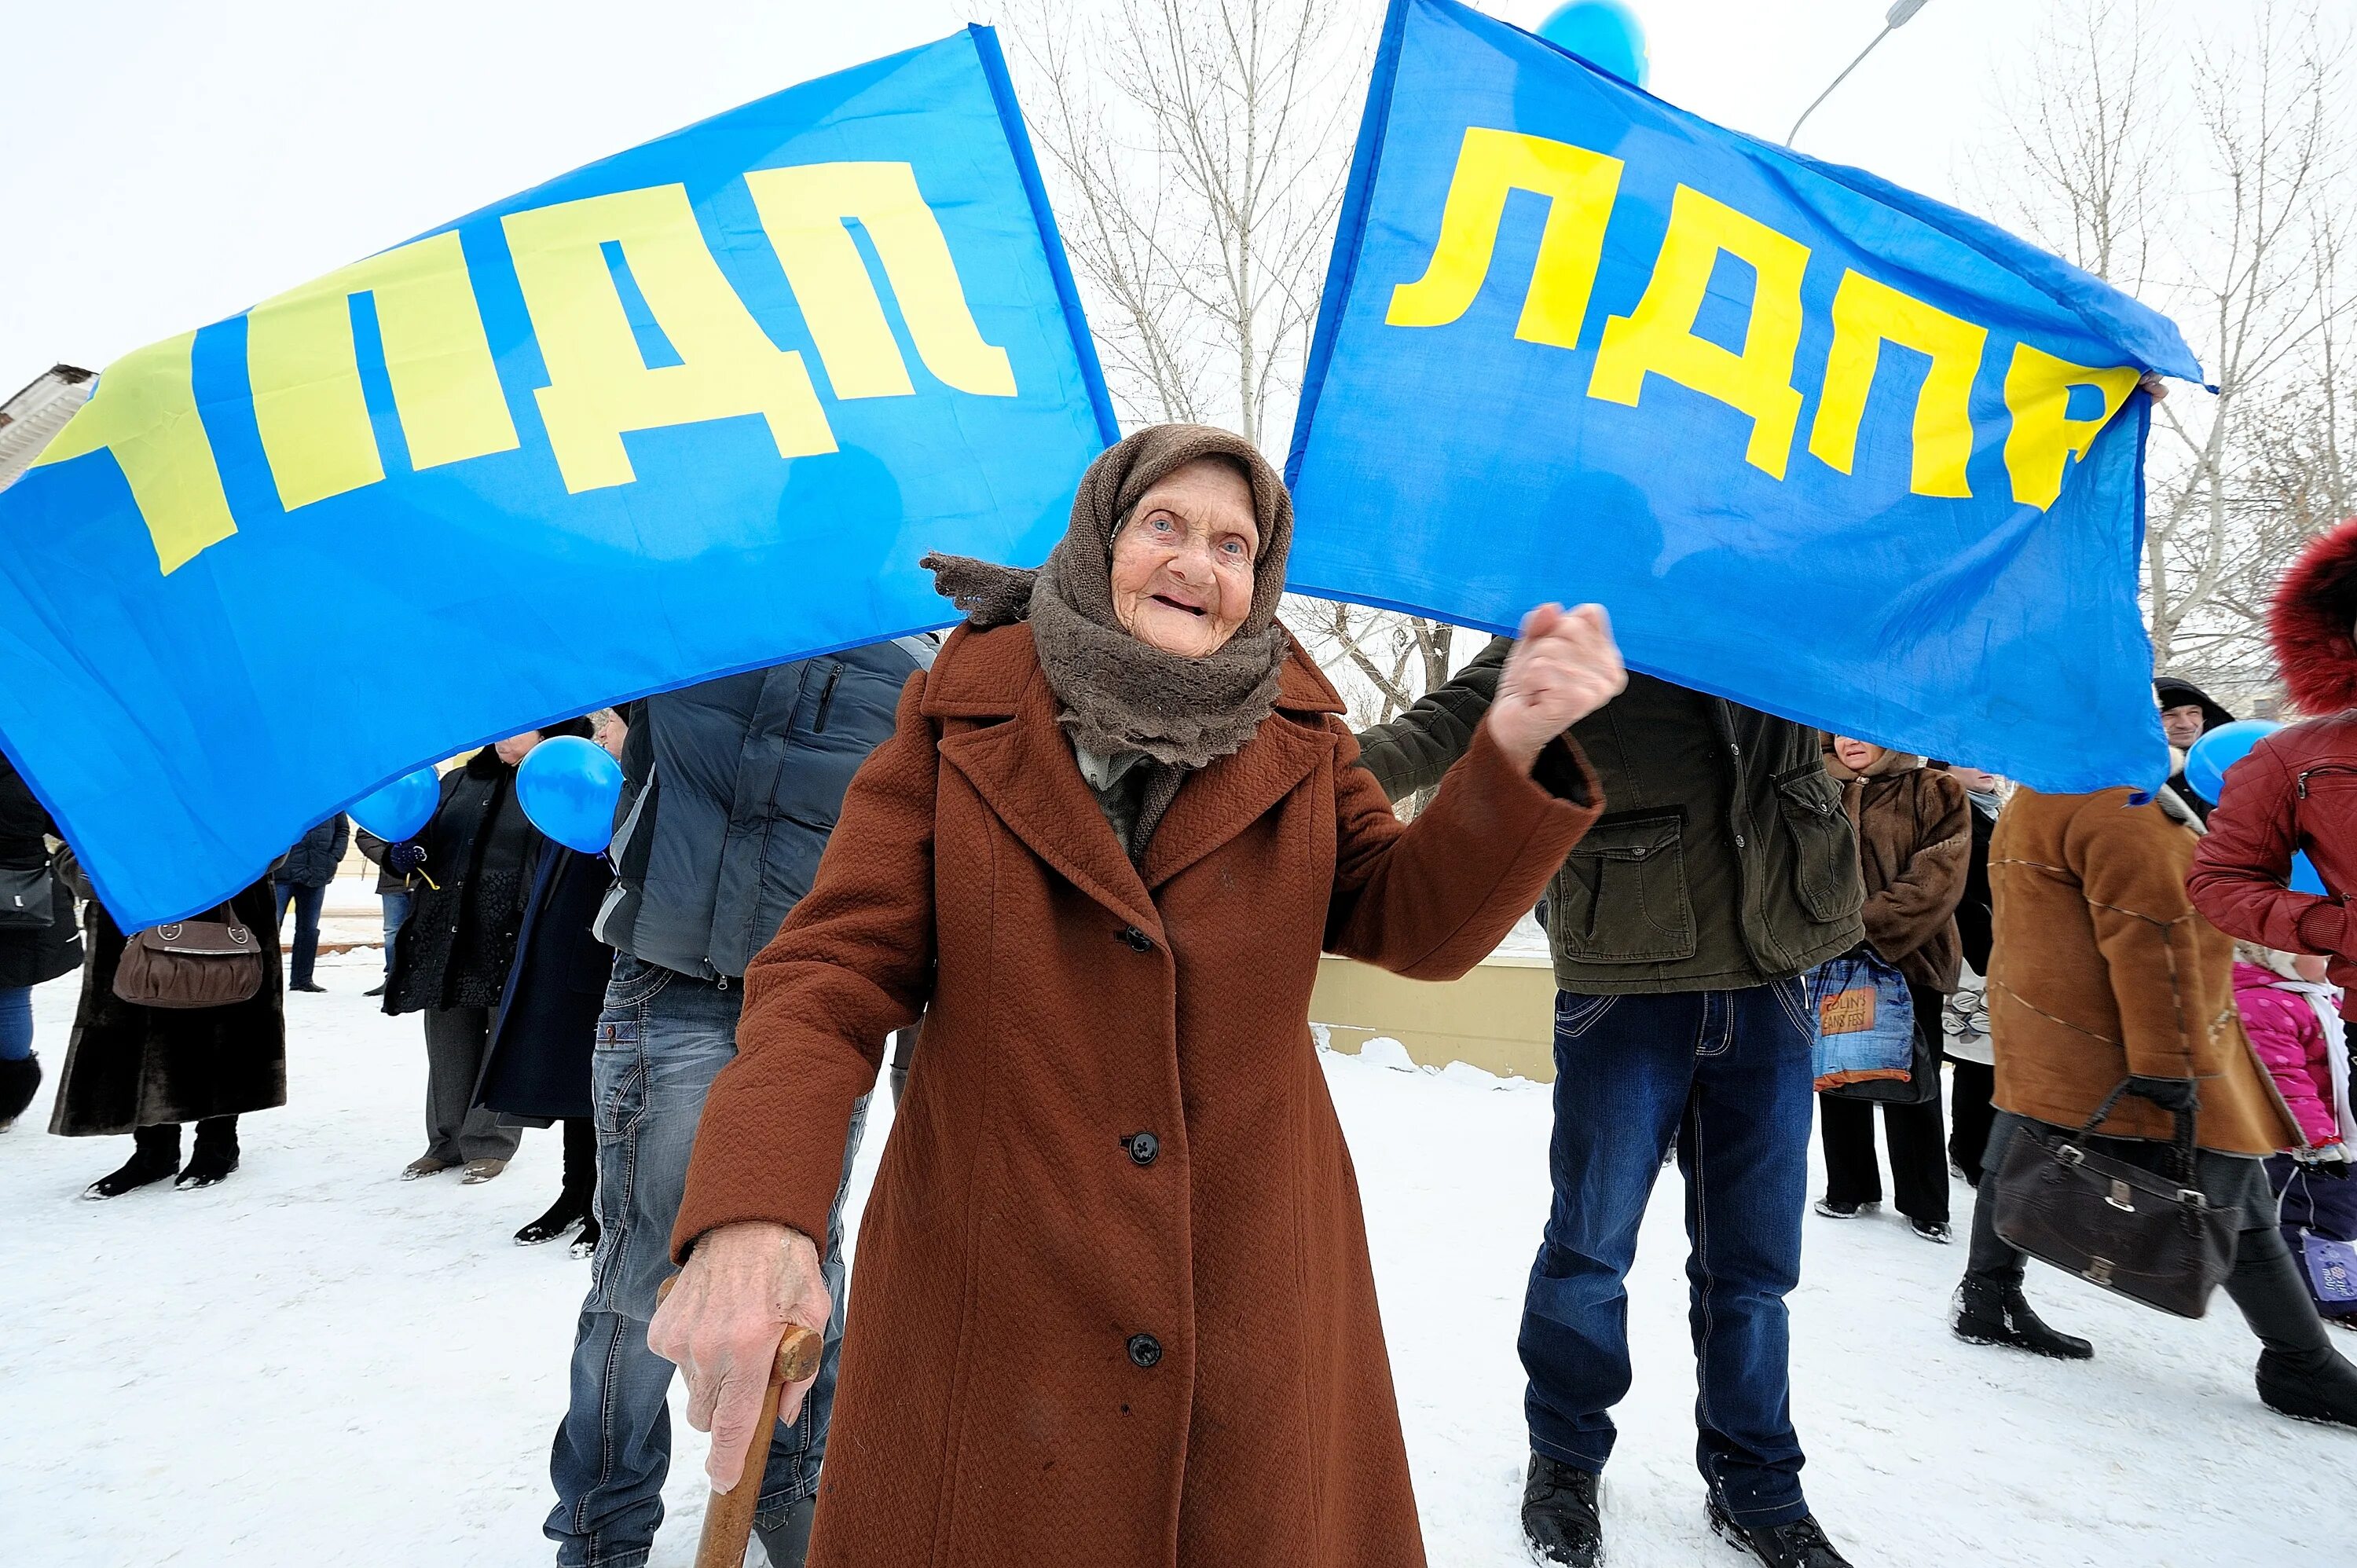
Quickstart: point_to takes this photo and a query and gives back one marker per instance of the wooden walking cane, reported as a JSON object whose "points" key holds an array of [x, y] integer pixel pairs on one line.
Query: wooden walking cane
{"points": [[728, 1516]]}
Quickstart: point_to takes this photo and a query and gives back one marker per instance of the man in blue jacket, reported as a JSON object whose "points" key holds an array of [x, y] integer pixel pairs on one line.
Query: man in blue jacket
{"points": [[730, 790], [301, 878]]}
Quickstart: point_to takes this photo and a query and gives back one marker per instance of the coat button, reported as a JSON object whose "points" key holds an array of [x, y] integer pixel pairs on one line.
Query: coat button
{"points": [[1145, 1350], [1142, 1147], [1138, 940]]}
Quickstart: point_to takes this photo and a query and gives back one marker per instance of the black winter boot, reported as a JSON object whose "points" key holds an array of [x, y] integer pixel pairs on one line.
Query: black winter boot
{"points": [[1559, 1516], [1800, 1544], [574, 1200], [20, 1079], [787, 1542], [586, 1240], [570, 1208], [215, 1155], [155, 1154], [2320, 1388], [1991, 1313]]}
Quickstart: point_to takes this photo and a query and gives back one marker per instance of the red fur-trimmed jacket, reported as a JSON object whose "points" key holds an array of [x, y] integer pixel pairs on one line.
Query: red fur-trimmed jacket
{"points": [[2296, 790]]}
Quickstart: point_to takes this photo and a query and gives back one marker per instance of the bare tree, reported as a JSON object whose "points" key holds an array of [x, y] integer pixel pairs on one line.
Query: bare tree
{"points": [[2235, 221], [1198, 148], [1201, 147]]}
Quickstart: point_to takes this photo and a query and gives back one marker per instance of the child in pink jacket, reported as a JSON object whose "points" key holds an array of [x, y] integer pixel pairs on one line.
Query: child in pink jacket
{"points": [[2288, 1030], [2294, 1021]]}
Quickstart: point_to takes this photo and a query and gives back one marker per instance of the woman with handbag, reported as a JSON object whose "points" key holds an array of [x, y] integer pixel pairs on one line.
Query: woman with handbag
{"points": [[180, 1022], [39, 938], [1914, 836], [2119, 1051]]}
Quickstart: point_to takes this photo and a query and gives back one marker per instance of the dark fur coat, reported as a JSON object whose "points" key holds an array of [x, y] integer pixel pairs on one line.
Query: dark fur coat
{"points": [[131, 1067]]}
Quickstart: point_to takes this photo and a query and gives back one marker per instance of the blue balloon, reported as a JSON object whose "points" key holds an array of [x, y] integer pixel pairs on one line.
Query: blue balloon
{"points": [[2304, 878], [1604, 33], [401, 810], [2206, 763], [569, 786]]}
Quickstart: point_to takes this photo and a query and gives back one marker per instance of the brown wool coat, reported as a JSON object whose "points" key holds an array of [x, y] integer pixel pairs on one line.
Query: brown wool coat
{"points": [[997, 1405], [2102, 967], [1914, 829]]}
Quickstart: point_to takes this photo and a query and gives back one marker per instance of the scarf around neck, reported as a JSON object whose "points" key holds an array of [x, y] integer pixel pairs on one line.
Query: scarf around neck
{"points": [[1116, 693]]}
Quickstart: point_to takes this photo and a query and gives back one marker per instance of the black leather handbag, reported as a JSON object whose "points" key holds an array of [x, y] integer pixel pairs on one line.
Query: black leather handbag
{"points": [[2136, 1231], [28, 897]]}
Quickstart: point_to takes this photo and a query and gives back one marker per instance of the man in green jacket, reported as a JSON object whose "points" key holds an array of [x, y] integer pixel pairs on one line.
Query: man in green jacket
{"points": [[1722, 871]]}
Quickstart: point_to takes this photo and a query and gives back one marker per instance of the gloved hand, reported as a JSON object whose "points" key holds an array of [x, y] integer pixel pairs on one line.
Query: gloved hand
{"points": [[400, 859], [2174, 1095]]}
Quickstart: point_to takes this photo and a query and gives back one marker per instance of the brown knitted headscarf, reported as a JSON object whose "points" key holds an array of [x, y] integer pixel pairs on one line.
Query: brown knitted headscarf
{"points": [[1117, 693]]}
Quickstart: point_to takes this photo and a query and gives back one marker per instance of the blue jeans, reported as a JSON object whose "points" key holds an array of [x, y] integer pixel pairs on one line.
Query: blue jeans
{"points": [[662, 1039], [1725, 1078], [15, 1022], [308, 902], [396, 915]]}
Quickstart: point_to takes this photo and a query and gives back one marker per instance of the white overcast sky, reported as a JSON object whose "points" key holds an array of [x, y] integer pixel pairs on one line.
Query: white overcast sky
{"points": [[165, 164]]}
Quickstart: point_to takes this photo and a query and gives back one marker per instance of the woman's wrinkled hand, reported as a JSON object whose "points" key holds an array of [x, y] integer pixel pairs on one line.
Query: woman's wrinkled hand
{"points": [[721, 1323], [1564, 667]]}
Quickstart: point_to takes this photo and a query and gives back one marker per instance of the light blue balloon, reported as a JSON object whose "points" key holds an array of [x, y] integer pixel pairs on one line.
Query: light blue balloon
{"points": [[568, 787], [2304, 878], [2206, 763], [401, 810], [1604, 33]]}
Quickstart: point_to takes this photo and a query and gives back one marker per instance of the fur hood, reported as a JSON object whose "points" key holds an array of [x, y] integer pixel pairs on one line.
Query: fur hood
{"points": [[2311, 619]]}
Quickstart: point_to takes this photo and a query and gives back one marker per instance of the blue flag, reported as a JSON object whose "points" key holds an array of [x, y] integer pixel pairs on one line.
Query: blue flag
{"points": [[693, 409], [1821, 446]]}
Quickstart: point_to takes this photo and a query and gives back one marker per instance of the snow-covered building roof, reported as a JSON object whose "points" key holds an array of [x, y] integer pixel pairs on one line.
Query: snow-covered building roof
{"points": [[31, 420]]}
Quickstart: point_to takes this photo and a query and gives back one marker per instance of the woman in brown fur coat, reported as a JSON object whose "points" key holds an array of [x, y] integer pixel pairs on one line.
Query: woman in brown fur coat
{"points": [[1914, 847]]}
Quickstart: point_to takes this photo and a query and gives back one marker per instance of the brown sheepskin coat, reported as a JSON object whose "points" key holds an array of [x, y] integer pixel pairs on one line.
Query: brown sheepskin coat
{"points": [[1914, 831], [2102, 969], [1112, 1306]]}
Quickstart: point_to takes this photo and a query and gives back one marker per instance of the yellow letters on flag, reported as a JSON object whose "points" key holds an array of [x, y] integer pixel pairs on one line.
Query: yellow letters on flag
{"points": [[600, 385], [1865, 314], [2044, 436], [804, 210], [307, 382], [1658, 336], [1579, 185], [144, 413]]}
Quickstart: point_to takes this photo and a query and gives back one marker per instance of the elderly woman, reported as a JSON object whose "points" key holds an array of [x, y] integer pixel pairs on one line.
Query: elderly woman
{"points": [[1914, 834], [1114, 1298]]}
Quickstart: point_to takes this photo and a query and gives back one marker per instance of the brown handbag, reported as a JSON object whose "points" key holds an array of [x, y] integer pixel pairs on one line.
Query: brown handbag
{"points": [[2142, 1234], [212, 962]]}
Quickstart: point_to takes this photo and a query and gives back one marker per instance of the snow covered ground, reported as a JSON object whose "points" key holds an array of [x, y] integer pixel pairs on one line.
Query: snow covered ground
{"points": [[315, 1363]]}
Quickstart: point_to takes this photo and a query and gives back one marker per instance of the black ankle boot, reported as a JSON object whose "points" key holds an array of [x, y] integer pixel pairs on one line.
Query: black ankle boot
{"points": [[1559, 1516], [1800, 1544], [215, 1156], [570, 1208], [2322, 1387], [155, 1154], [1992, 1313], [585, 1240], [20, 1079], [575, 1203]]}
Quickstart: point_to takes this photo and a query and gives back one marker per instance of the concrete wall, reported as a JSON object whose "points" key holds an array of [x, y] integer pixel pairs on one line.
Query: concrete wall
{"points": [[1500, 1018]]}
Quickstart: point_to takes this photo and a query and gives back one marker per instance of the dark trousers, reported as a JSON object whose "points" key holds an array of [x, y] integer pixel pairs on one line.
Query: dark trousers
{"points": [[1972, 1107], [457, 1129], [308, 902], [1723, 1077], [2266, 1284]]}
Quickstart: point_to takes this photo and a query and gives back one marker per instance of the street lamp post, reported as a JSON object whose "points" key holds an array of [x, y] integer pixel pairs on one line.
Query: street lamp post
{"points": [[1901, 12]]}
